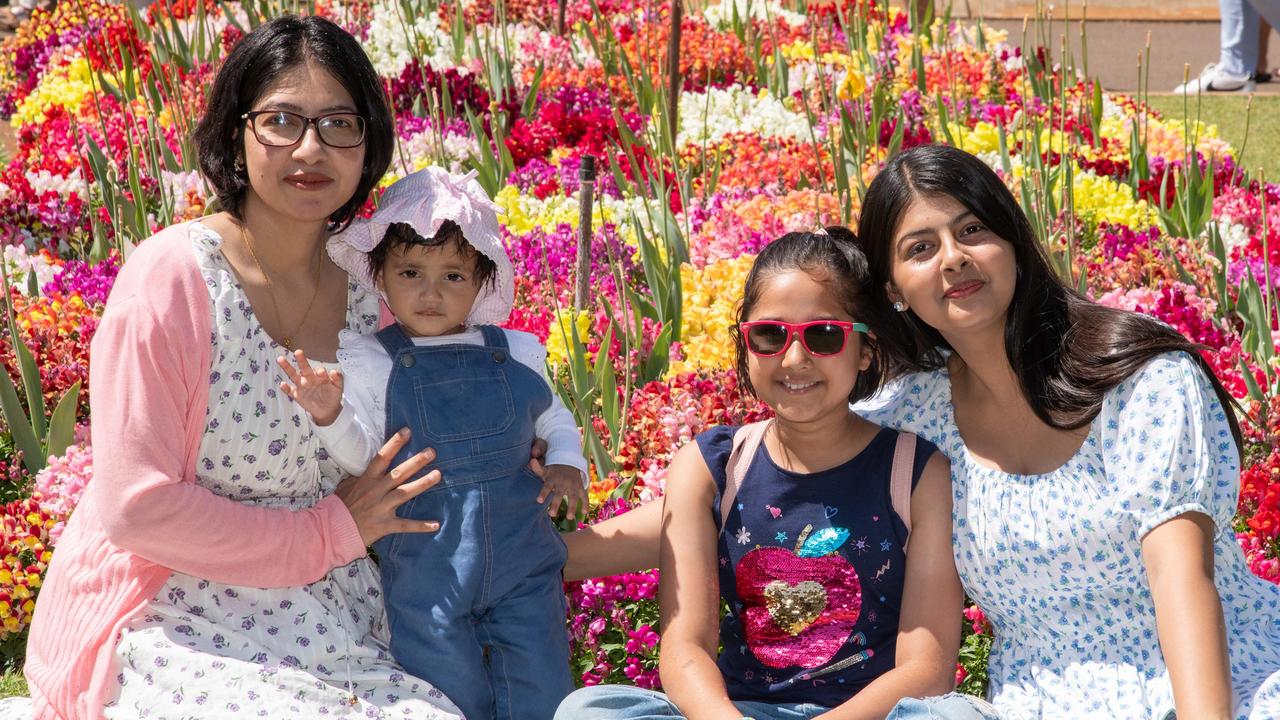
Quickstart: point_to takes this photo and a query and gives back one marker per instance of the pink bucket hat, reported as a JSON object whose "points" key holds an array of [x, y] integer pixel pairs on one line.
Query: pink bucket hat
{"points": [[424, 200]]}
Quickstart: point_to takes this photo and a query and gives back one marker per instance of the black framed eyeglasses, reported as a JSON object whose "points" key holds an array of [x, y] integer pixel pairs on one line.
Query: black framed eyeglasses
{"points": [[280, 128]]}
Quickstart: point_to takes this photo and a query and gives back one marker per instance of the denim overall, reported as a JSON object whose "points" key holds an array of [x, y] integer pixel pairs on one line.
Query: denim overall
{"points": [[477, 608]]}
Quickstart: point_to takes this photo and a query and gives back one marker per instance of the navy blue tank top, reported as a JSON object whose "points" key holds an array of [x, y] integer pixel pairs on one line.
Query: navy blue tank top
{"points": [[811, 568]]}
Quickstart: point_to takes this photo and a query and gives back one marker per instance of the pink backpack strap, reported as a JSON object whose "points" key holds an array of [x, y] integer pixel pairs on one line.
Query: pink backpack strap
{"points": [[745, 443], [904, 455]]}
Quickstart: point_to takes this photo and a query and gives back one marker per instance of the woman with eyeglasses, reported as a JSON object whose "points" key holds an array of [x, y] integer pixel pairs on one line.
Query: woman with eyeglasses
{"points": [[217, 566]]}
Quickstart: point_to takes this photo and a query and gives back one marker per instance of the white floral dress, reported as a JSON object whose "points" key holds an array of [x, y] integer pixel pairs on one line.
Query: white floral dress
{"points": [[204, 649], [1055, 560]]}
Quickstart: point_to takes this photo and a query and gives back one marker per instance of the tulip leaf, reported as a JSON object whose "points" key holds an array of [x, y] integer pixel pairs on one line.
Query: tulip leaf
{"points": [[19, 426], [62, 424]]}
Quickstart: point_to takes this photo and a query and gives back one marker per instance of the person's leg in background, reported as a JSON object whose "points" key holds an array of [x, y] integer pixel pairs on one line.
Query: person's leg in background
{"points": [[1269, 12], [1262, 72], [1237, 53]]}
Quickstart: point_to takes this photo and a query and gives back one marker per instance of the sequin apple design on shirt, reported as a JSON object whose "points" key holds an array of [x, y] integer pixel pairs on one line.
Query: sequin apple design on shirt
{"points": [[799, 607]]}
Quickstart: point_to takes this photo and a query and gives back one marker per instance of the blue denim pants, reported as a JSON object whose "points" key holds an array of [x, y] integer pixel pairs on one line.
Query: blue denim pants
{"points": [[476, 608], [623, 702], [952, 706], [1238, 53]]}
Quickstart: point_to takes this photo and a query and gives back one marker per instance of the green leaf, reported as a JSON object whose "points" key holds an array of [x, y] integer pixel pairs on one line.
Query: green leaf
{"points": [[62, 425], [526, 108], [1096, 109], [19, 426], [1255, 392], [31, 384], [607, 386], [1183, 275]]}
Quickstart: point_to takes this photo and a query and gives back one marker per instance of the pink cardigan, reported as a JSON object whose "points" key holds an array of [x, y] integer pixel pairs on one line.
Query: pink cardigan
{"points": [[142, 517]]}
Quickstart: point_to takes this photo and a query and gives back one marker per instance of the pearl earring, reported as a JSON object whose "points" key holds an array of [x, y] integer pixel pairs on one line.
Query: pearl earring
{"points": [[899, 306]]}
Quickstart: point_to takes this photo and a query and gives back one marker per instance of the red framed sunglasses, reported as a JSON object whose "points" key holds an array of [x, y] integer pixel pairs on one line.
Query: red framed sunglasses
{"points": [[767, 338]]}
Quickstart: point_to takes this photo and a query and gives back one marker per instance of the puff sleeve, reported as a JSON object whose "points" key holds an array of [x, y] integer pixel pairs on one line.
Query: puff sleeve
{"points": [[1167, 445]]}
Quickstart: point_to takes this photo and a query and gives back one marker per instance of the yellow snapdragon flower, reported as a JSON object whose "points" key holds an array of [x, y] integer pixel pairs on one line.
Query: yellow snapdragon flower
{"points": [[562, 327], [981, 138], [1099, 199], [711, 297], [65, 87]]}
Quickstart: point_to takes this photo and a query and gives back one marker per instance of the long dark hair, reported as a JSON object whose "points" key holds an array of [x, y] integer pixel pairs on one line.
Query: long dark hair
{"points": [[832, 258], [257, 61], [1066, 350]]}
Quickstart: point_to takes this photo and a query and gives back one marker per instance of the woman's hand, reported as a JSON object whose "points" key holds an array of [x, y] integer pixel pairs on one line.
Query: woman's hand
{"points": [[373, 497]]}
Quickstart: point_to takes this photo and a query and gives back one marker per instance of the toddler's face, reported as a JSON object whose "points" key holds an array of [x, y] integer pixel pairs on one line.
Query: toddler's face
{"points": [[430, 290]]}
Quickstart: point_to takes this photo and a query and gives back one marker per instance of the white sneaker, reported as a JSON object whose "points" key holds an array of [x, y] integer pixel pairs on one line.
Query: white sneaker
{"points": [[1214, 80]]}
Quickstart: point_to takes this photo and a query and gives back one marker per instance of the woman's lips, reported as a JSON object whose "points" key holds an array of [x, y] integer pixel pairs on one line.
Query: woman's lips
{"points": [[308, 182], [964, 289]]}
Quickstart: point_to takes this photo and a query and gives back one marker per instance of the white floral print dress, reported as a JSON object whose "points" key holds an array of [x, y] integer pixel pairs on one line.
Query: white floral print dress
{"points": [[1055, 560], [204, 649]]}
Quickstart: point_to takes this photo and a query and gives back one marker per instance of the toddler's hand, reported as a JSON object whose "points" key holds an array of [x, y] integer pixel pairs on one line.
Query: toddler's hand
{"points": [[317, 390], [564, 481]]}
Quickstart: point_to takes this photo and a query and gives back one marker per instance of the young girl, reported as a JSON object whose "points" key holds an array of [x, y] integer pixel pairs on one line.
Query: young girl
{"points": [[478, 606], [800, 525]]}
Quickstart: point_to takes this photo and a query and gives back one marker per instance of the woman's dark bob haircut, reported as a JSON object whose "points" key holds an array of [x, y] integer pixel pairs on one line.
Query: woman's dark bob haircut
{"points": [[1066, 350], [832, 258], [259, 60]]}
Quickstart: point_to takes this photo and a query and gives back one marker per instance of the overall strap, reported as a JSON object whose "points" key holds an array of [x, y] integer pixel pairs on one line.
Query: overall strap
{"points": [[393, 339], [904, 456], [745, 443], [494, 336]]}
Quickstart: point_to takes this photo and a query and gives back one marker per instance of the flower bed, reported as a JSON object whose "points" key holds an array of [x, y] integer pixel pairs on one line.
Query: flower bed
{"points": [[781, 121]]}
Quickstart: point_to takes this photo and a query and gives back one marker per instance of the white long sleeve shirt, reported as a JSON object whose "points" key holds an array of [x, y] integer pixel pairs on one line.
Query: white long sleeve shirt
{"points": [[359, 430]]}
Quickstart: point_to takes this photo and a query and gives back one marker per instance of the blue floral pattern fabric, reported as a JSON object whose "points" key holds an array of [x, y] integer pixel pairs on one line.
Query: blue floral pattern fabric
{"points": [[207, 649], [1055, 560]]}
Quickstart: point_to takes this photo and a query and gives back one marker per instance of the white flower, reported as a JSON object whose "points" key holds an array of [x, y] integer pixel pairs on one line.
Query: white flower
{"points": [[709, 116], [178, 185], [1110, 109], [394, 41], [720, 15], [64, 185], [18, 264], [428, 148], [1234, 235], [744, 536]]}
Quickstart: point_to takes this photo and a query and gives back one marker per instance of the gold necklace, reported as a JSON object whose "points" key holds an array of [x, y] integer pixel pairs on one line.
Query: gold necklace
{"points": [[286, 341]]}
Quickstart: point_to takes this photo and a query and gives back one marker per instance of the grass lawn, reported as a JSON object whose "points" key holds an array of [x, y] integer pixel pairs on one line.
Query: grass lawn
{"points": [[1228, 113], [12, 683]]}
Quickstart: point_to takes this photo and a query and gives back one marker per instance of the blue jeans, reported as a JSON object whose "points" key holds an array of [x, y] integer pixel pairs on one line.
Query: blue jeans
{"points": [[954, 706], [476, 608], [1238, 54], [623, 702]]}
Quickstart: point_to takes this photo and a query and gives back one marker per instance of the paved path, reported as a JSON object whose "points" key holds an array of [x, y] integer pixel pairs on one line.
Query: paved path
{"points": [[1114, 48]]}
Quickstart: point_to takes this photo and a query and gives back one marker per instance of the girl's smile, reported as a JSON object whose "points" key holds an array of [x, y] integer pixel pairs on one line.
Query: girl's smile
{"points": [[801, 386]]}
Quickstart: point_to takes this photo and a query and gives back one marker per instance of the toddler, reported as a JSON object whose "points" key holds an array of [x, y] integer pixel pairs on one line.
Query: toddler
{"points": [[477, 608]]}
